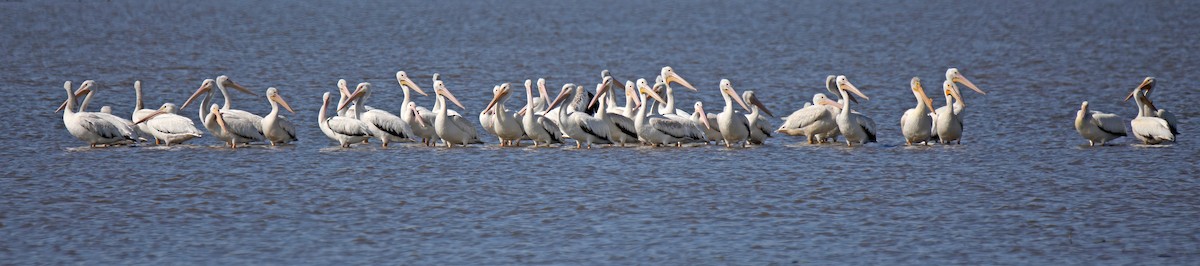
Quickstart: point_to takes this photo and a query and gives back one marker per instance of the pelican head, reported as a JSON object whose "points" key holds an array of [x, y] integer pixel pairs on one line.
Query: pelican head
{"points": [[668, 75], [499, 94], [166, 108], [273, 95], [439, 88], [363, 90], [404, 81], [205, 87], [727, 90], [84, 88], [844, 84], [601, 89], [703, 116], [1146, 86], [223, 81], [541, 85], [563, 94], [412, 107], [645, 89], [919, 92], [750, 98], [952, 74], [216, 111]]}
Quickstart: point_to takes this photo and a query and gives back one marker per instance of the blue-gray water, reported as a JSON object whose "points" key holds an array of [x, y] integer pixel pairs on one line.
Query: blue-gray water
{"points": [[1022, 189]]}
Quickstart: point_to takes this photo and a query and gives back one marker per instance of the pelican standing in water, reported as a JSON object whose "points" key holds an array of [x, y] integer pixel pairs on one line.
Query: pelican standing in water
{"points": [[507, 126], [620, 127], [1146, 127], [539, 128], [954, 76], [420, 127], [949, 126], [917, 124], [658, 130], [168, 127], [383, 124], [278, 129], [487, 118], [451, 129], [711, 134], [1097, 126], [735, 128], [140, 112], [578, 125], [815, 121], [342, 129], [1148, 86], [93, 127], [760, 128], [854, 130]]}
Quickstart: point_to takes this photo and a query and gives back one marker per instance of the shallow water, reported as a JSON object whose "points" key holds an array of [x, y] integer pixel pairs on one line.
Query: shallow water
{"points": [[1023, 188]]}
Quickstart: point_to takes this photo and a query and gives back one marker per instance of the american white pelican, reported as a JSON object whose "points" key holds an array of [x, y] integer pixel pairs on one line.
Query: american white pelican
{"points": [[658, 130], [578, 125], [815, 122], [507, 126], [1097, 126], [140, 112], [451, 129], [539, 128], [954, 76], [620, 127], [487, 118], [1146, 127], [93, 127], [91, 91], [420, 128], [168, 127], [711, 134], [668, 76], [383, 124], [278, 129], [246, 126], [342, 129], [735, 128], [854, 130], [948, 125], [760, 127], [233, 128], [917, 124], [1147, 87]]}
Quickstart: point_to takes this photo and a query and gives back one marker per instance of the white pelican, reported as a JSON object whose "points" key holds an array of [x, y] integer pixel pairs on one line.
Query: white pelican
{"points": [[854, 130], [383, 124], [760, 128], [278, 129], [954, 76], [344, 130], [487, 118], [710, 133], [578, 125], [620, 127], [1097, 126], [949, 126], [234, 128], [1147, 87], [815, 122], [538, 127], [1146, 127], [140, 112], [506, 126], [91, 91], [917, 124], [420, 128], [734, 127], [168, 127], [246, 126], [668, 75], [92, 127], [451, 129], [658, 130]]}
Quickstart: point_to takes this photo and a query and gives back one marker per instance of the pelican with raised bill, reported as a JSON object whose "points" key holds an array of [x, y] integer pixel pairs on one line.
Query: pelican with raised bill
{"points": [[453, 130], [853, 130], [507, 127], [383, 124], [760, 127], [578, 125], [168, 127], [93, 127], [1146, 127], [539, 128], [917, 123], [1098, 127], [276, 128], [342, 129], [1147, 86]]}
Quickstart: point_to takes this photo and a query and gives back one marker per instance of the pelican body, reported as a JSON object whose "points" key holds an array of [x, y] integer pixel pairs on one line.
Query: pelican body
{"points": [[1098, 127], [659, 130], [278, 129], [168, 127], [539, 128], [917, 124], [735, 128], [949, 125], [384, 125], [854, 130], [760, 128], [93, 127], [453, 130], [578, 125], [507, 127], [342, 129], [1146, 127]]}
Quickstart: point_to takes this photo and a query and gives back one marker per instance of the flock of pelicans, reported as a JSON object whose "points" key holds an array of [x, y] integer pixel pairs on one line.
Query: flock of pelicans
{"points": [[585, 116]]}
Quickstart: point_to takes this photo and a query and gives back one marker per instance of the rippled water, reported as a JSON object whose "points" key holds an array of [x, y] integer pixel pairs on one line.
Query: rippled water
{"points": [[1022, 189]]}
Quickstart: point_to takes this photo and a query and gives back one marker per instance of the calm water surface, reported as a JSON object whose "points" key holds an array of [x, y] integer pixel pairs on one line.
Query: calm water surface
{"points": [[1022, 189]]}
